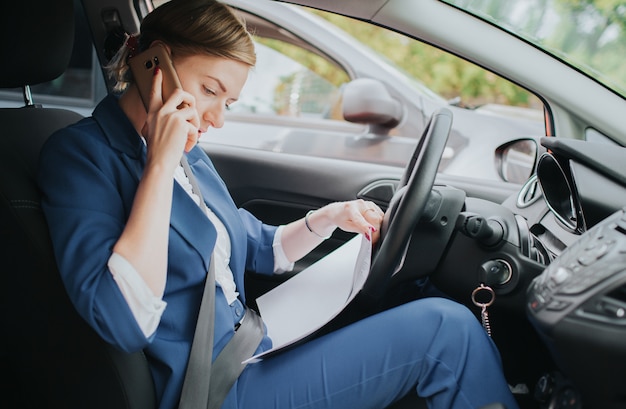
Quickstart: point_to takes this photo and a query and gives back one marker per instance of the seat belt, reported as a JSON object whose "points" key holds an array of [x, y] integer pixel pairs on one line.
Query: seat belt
{"points": [[207, 383], [195, 393], [229, 364]]}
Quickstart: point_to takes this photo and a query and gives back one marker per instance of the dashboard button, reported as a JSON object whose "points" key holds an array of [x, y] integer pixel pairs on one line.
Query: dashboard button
{"points": [[557, 305]]}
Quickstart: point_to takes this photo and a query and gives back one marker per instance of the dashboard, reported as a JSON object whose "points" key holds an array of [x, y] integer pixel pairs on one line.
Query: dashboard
{"points": [[578, 303], [555, 257]]}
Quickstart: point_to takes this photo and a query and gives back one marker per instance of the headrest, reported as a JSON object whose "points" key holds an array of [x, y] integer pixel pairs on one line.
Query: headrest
{"points": [[37, 40]]}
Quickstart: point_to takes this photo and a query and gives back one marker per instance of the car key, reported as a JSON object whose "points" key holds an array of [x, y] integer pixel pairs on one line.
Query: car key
{"points": [[476, 296]]}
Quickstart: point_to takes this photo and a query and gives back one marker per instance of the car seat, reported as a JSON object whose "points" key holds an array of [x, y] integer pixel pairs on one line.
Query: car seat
{"points": [[49, 356]]}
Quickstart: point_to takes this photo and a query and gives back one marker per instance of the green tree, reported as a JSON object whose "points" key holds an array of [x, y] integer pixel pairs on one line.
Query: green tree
{"points": [[589, 34], [446, 74]]}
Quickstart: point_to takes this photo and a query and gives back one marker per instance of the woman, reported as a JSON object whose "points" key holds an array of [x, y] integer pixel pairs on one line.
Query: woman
{"points": [[133, 244]]}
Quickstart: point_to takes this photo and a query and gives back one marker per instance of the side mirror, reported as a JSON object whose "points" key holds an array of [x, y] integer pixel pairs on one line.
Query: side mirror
{"points": [[516, 160], [367, 101]]}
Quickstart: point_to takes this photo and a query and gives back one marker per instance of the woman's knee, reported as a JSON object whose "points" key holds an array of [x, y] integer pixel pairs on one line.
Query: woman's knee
{"points": [[443, 308], [446, 316]]}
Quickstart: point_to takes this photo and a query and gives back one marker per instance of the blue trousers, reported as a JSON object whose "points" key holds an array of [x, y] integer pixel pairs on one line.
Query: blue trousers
{"points": [[432, 345]]}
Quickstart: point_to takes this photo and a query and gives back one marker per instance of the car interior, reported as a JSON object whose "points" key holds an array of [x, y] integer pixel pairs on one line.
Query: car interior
{"points": [[55, 359], [553, 252]]}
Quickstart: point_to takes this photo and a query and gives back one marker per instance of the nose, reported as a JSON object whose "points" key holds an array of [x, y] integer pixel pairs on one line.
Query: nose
{"points": [[214, 115]]}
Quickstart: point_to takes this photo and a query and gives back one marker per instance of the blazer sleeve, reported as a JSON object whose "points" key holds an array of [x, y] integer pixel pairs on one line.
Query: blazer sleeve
{"points": [[86, 198], [260, 237]]}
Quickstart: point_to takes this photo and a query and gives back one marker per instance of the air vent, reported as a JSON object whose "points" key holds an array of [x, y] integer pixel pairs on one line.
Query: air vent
{"points": [[618, 295], [529, 193], [538, 251], [530, 245]]}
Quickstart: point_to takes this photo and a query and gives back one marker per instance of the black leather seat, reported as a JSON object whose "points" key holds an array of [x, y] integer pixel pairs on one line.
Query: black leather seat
{"points": [[50, 356]]}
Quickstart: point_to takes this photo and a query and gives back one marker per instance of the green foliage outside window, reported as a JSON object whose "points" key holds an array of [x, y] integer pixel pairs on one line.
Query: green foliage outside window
{"points": [[446, 74]]}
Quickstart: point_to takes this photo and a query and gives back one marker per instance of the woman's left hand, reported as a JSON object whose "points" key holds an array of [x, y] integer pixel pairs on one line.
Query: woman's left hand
{"points": [[355, 216]]}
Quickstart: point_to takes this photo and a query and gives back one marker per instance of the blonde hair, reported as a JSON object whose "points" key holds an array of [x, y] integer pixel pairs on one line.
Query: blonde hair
{"points": [[188, 27]]}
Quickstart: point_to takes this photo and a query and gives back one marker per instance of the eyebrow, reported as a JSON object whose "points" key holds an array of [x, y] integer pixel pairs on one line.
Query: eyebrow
{"points": [[222, 87]]}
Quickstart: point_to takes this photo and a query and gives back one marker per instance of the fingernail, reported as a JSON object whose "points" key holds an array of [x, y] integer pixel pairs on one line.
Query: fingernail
{"points": [[156, 70]]}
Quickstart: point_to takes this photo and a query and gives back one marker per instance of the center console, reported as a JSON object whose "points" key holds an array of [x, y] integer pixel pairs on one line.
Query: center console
{"points": [[578, 305]]}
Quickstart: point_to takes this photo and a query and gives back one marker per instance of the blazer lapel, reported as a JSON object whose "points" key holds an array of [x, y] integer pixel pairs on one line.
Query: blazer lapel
{"points": [[189, 221], [218, 199]]}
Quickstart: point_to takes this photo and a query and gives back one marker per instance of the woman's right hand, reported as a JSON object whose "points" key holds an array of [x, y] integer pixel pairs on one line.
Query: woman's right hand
{"points": [[171, 126]]}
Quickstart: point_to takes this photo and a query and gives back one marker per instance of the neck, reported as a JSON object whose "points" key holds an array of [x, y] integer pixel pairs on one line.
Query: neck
{"points": [[132, 105]]}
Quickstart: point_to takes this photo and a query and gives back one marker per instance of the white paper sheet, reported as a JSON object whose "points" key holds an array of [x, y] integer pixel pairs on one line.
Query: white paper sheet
{"points": [[302, 305]]}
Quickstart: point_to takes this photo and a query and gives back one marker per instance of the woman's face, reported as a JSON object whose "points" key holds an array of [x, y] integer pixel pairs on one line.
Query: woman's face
{"points": [[215, 83]]}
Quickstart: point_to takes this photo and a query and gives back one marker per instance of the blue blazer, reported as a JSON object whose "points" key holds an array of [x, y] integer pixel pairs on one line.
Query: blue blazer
{"points": [[88, 175]]}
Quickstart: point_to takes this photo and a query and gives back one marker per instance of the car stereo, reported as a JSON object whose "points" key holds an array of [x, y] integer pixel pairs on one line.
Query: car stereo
{"points": [[578, 305]]}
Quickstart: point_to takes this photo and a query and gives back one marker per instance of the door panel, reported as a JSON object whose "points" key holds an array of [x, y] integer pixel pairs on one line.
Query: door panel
{"points": [[279, 187]]}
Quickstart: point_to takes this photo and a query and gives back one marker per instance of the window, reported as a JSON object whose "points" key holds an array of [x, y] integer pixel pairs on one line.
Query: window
{"points": [[292, 102], [290, 81]]}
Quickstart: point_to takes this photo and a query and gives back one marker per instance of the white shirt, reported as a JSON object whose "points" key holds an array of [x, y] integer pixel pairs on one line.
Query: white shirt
{"points": [[146, 307]]}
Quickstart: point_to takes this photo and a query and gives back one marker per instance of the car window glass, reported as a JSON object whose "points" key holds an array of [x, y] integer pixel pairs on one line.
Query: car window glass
{"points": [[433, 71], [292, 102], [589, 35], [290, 81]]}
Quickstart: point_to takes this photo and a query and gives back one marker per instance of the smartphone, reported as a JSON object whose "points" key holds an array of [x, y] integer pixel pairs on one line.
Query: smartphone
{"points": [[142, 66]]}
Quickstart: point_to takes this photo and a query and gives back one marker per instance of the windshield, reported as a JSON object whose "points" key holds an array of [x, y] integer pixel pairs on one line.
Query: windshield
{"points": [[587, 34]]}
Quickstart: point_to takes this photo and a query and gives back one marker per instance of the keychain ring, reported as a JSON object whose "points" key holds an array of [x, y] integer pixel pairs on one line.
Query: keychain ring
{"points": [[490, 292]]}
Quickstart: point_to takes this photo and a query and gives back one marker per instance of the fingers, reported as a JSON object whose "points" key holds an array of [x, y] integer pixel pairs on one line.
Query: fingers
{"points": [[360, 216], [192, 139], [373, 215], [178, 101], [185, 107], [175, 117], [156, 97]]}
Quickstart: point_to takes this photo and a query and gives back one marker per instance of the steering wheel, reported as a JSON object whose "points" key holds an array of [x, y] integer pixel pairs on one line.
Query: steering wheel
{"points": [[407, 205]]}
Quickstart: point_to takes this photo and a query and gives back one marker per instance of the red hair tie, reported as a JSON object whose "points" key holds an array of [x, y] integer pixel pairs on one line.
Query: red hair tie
{"points": [[132, 44]]}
